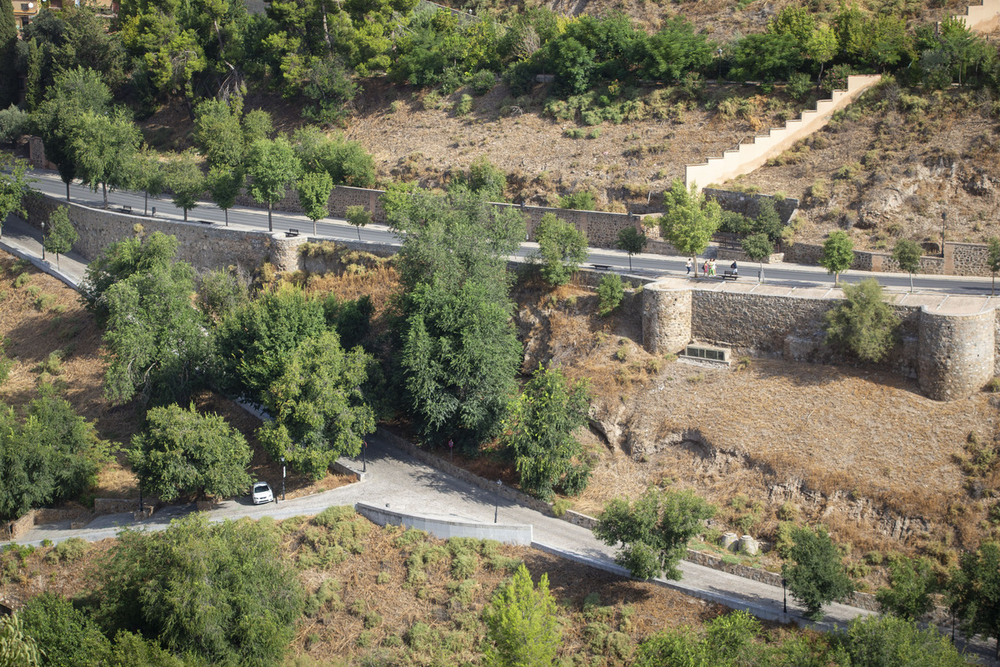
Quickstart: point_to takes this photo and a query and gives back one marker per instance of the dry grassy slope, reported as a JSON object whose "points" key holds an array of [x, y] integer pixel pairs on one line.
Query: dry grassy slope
{"points": [[377, 603], [892, 166]]}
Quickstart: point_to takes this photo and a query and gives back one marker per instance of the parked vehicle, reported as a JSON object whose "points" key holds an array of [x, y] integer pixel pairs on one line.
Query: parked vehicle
{"points": [[261, 493]]}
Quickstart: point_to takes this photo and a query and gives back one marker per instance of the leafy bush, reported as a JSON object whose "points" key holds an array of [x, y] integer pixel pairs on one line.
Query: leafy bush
{"points": [[483, 81], [14, 124], [863, 323], [799, 86], [522, 625], [464, 105], [653, 531], [610, 292], [219, 591], [582, 200]]}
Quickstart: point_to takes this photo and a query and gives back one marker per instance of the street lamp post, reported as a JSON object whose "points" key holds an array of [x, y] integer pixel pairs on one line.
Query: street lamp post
{"points": [[496, 510], [451, 450], [364, 456], [43, 241], [784, 595], [282, 477]]}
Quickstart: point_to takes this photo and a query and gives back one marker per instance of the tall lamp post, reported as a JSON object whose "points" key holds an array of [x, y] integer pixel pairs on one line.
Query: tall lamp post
{"points": [[364, 456], [282, 477], [43, 241], [784, 595], [496, 510]]}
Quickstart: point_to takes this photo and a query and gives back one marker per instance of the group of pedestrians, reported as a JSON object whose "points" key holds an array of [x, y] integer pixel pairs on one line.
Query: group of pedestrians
{"points": [[708, 267]]}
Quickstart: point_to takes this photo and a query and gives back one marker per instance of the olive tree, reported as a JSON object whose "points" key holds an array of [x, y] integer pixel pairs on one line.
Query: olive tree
{"points": [[814, 570], [653, 531]]}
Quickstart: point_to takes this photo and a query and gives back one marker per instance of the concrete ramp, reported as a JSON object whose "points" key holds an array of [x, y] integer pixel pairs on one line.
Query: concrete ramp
{"points": [[750, 156], [444, 528]]}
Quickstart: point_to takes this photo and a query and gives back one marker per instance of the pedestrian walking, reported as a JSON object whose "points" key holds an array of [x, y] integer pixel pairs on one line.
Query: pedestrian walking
{"points": [[704, 269], [735, 269], [688, 266], [711, 268]]}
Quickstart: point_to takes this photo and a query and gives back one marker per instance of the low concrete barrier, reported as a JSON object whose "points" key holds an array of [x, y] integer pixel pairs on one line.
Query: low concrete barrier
{"points": [[445, 528]]}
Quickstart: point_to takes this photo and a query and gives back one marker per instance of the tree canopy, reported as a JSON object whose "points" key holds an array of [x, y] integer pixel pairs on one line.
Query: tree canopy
{"points": [[863, 323], [183, 453], [689, 220], [653, 531], [319, 410], [815, 571], [561, 246]]}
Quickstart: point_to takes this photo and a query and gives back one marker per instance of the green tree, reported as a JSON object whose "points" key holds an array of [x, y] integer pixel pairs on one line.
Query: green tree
{"points": [[9, 79], [17, 649], [561, 247], [185, 180], [223, 184], [157, 346], [104, 148], [184, 453], [907, 254], [675, 49], [347, 162], [60, 235], [122, 259], [838, 254], [911, 582], [359, 217], [610, 292], [822, 47], [689, 220], [546, 454], [319, 410], [271, 165], [460, 353], [66, 637], [73, 93], [814, 570], [150, 176], [257, 126], [765, 57], [993, 262], [13, 186], [975, 592], [757, 247], [632, 241], [522, 623], [863, 323], [218, 134], [222, 592], [254, 342], [221, 292], [886, 641], [314, 190], [51, 456], [653, 531]]}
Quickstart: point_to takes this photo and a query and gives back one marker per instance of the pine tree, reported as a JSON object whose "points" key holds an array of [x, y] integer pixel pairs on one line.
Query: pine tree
{"points": [[8, 40]]}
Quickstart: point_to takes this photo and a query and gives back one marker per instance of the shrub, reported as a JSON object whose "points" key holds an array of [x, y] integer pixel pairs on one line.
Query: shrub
{"points": [[799, 85], [583, 200], [464, 105], [522, 627], [68, 551], [863, 323], [483, 81], [610, 292]]}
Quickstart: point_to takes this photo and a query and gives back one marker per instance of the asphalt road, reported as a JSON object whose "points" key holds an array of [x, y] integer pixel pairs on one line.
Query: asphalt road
{"points": [[647, 265]]}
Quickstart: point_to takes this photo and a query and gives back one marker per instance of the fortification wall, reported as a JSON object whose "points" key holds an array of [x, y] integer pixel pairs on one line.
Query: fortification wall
{"points": [[957, 353], [951, 354], [666, 318], [748, 157]]}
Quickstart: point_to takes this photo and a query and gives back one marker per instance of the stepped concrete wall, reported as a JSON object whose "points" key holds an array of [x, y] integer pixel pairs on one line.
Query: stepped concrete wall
{"points": [[949, 346], [982, 19], [747, 157]]}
